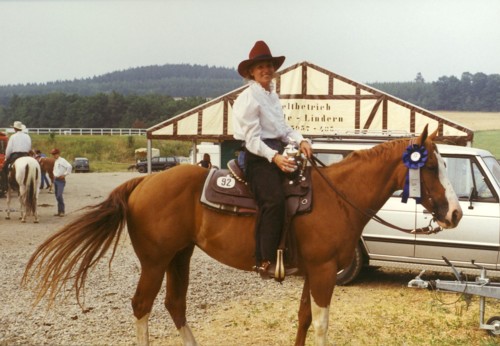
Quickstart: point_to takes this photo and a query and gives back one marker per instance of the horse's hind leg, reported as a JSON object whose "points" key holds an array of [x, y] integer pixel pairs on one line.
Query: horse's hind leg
{"points": [[8, 204], [177, 286], [35, 213], [23, 207], [145, 294], [305, 315]]}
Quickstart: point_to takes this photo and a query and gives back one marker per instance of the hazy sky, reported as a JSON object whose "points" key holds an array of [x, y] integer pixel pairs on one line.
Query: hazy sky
{"points": [[364, 40]]}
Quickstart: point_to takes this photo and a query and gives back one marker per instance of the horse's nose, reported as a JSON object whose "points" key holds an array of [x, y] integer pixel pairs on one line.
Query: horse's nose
{"points": [[456, 216]]}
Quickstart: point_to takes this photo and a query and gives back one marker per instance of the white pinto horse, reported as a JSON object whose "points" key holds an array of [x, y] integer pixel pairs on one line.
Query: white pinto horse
{"points": [[24, 178]]}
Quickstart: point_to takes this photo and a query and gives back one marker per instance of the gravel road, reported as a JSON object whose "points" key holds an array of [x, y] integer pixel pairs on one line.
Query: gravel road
{"points": [[107, 318]]}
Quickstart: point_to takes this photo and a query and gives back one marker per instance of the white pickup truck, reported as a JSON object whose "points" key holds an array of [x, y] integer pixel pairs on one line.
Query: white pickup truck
{"points": [[475, 175]]}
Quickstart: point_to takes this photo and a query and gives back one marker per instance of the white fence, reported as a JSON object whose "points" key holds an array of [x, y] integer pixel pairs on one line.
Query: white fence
{"points": [[88, 131]]}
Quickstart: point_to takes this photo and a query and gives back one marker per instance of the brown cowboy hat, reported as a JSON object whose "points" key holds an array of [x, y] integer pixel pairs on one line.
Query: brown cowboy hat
{"points": [[55, 151], [259, 52]]}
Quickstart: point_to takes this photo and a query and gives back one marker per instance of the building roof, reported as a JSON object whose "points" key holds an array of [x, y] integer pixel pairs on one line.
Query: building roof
{"points": [[318, 103]]}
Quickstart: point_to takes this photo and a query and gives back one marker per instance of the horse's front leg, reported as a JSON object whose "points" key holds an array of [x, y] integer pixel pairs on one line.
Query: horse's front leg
{"points": [[321, 283], [177, 286], [51, 181]]}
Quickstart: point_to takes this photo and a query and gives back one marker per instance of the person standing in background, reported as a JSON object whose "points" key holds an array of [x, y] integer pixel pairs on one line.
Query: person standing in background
{"points": [[62, 168], [206, 163]]}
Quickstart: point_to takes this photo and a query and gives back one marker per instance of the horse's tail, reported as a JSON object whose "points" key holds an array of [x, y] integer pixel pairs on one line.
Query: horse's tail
{"points": [[30, 180], [77, 247]]}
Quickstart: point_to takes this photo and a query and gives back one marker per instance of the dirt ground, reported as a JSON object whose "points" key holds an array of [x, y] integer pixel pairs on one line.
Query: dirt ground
{"points": [[225, 306], [108, 319]]}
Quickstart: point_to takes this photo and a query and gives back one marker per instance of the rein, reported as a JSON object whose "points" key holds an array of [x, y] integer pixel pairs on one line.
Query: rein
{"points": [[370, 213]]}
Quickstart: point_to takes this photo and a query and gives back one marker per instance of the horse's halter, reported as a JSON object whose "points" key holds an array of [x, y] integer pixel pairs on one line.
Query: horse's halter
{"points": [[372, 214]]}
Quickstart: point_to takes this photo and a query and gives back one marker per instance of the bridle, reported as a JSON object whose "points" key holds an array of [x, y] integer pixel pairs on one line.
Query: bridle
{"points": [[370, 213]]}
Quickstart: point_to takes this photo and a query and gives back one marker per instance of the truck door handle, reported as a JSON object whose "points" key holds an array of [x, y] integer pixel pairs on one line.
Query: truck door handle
{"points": [[426, 211]]}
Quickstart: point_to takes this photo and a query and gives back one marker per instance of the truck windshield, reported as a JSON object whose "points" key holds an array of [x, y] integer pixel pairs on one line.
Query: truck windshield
{"points": [[494, 167]]}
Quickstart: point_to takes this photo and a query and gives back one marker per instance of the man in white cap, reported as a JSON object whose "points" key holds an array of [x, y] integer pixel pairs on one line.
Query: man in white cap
{"points": [[19, 145]]}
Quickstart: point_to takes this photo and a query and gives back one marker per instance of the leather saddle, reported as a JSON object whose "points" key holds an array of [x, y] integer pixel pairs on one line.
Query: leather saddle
{"points": [[226, 190]]}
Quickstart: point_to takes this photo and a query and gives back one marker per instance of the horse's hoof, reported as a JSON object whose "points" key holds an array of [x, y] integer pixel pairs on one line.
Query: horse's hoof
{"points": [[7, 218], [23, 221], [36, 221]]}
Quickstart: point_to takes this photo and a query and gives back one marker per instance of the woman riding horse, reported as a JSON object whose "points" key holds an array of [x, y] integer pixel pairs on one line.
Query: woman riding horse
{"points": [[165, 221]]}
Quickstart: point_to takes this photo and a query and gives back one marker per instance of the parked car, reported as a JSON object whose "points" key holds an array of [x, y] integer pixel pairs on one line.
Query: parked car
{"points": [[183, 160], [158, 163], [81, 164], [475, 175]]}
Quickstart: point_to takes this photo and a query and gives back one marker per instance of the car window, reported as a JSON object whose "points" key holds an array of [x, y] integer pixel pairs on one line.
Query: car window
{"points": [[466, 177], [482, 188]]}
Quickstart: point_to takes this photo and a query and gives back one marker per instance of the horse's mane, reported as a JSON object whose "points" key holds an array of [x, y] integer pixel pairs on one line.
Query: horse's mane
{"points": [[380, 152]]}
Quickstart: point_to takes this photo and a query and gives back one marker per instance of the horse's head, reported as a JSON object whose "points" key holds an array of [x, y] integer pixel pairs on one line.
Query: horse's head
{"points": [[437, 194]]}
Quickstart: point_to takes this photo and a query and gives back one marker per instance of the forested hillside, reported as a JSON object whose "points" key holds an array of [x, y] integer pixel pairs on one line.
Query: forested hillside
{"points": [[144, 96], [101, 110], [171, 80], [472, 92]]}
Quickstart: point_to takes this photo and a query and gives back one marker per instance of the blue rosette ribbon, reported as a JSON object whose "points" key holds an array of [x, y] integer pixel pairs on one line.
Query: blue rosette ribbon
{"points": [[414, 158]]}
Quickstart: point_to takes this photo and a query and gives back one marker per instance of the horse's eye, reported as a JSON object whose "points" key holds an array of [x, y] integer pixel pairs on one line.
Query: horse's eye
{"points": [[431, 167]]}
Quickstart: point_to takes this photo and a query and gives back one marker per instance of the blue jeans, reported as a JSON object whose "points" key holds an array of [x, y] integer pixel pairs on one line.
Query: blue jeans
{"points": [[59, 189], [45, 180]]}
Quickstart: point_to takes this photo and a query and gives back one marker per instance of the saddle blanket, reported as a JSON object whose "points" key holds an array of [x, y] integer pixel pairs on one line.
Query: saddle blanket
{"points": [[225, 192]]}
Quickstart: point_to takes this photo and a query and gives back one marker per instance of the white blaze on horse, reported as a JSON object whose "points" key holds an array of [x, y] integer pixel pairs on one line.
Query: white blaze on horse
{"points": [[24, 178], [165, 221]]}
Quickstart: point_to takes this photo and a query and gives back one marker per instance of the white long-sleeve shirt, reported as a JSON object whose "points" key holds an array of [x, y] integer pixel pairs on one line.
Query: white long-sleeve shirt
{"points": [[61, 167], [258, 115], [19, 142]]}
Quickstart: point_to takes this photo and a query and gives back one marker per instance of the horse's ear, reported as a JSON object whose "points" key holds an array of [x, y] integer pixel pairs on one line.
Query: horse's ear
{"points": [[433, 135], [423, 136]]}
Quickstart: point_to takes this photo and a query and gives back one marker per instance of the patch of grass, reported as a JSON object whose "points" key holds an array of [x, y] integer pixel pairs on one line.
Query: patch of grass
{"points": [[368, 313], [117, 153], [105, 153], [488, 140]]}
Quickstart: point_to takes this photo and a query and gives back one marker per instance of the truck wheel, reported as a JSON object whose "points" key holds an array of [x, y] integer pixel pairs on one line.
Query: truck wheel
{"points": [[347, 275], [142, 169]]}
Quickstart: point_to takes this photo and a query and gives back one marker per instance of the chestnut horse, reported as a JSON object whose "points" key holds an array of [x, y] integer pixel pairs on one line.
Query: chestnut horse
{"points": [[166, 220], [24, 178], [47, 166]]}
